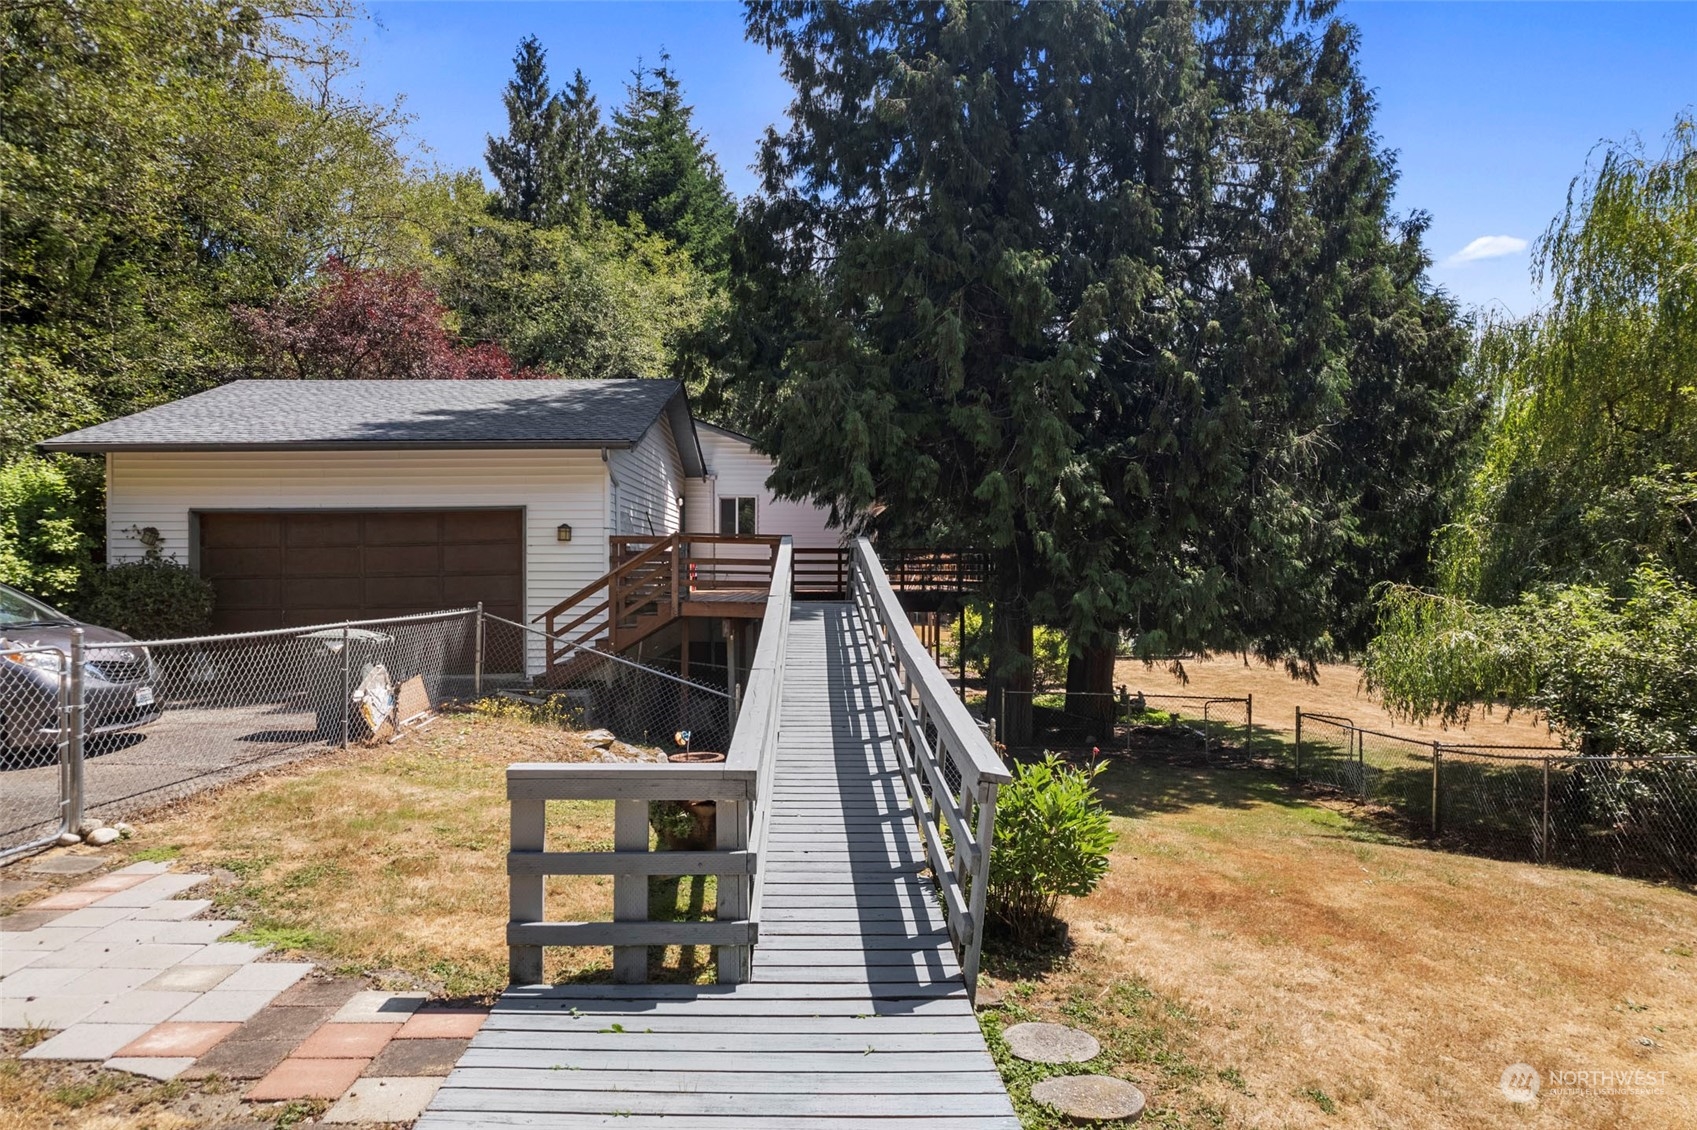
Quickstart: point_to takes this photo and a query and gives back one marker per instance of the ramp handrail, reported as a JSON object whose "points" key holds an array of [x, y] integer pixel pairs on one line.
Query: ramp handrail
{"points": [[934, 734], [739, 788], [753, 749]]}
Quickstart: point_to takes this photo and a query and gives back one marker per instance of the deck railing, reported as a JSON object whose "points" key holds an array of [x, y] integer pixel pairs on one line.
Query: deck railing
{"points": [[650, 581], [952, 771], [739, 787]]}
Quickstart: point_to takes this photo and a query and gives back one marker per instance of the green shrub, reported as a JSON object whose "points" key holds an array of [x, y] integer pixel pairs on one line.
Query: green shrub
{"points": [[1052, 839], [150, 599], [43, 550], [1048, 649]]}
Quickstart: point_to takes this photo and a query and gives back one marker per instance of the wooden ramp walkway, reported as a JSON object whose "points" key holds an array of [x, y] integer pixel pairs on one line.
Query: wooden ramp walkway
{"points": [[856, 1017]]}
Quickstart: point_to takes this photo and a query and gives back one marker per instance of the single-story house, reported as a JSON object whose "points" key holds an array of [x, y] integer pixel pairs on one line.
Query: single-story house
{"points": [[315, 501]]}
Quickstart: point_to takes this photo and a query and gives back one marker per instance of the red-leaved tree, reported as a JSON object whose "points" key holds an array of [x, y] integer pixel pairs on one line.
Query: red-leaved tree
{"points": [[366, 323]]}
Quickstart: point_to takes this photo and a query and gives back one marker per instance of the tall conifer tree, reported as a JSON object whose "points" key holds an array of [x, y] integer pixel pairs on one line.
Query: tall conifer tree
{"points": [[1089, 286], [662, 170], [529, 161]]}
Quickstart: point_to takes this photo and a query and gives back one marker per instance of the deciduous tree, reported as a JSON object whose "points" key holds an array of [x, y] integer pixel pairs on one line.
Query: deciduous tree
{"points": [[355, 323]]}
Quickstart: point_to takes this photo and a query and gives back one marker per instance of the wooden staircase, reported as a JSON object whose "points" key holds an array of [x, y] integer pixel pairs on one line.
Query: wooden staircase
{"points": [[653, 582]]}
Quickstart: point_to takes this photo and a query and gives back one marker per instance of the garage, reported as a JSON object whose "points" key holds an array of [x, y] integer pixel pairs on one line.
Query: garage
{"points": [[276, 569]]}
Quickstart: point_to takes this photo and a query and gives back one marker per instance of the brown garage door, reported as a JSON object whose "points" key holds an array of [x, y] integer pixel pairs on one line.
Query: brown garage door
{"points": [[277, 569]]}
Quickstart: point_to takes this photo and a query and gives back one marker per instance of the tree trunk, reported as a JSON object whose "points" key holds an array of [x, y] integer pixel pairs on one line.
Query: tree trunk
{"points": [[1090, 690], [1010, 663]]}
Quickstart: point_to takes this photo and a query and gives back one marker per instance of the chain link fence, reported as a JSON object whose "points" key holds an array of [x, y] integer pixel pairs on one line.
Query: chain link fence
{"points": [[34, 743], [637, 709], [1216, 723], [107, 732], [1629, 815]]}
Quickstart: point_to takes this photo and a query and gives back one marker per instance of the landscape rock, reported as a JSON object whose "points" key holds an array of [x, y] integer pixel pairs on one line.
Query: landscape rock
{"points": [[100, 837], [1051, 1043], [599, 738], [69, 838], [989, 996], [124, 829], [1090, 1098], [88, 826]]}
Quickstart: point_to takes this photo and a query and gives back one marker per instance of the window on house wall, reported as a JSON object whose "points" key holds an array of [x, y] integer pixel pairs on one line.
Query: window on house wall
{"points": [[736, 516]]}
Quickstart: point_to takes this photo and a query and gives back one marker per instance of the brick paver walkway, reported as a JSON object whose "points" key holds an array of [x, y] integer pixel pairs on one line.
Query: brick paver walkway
{"points": [[124, 972]]}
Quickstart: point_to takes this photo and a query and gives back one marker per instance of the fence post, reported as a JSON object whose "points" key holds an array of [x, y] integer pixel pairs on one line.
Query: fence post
{"points": [[1249, 719], [1361, 762], [477, 656], [1544, 839], [1299, 743], [347, 688], [1437, 818], [736, 892], [630, 891], [76, 720], [526, 894]]}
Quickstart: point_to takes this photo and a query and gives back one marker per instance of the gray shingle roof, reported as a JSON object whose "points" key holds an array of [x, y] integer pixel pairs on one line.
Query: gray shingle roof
{"points": [[326, 415]]}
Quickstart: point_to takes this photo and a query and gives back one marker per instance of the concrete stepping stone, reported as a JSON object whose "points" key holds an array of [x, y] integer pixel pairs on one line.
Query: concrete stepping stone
{"points": [[384, 1100], [374, 1007], [66, 865], [347, 1041], [88, 1041], [12, 888], [175, 1039], [1051, 1043], [163, 1068], [1090, 1098], [443, 1023]]}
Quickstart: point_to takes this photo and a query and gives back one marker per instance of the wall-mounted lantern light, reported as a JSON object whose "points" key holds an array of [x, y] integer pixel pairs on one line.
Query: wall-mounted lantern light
{"points": [[563, 532]]}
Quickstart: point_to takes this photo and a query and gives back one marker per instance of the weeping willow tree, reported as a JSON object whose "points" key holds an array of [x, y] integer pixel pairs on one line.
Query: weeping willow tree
{"points": [[1568, 582]]}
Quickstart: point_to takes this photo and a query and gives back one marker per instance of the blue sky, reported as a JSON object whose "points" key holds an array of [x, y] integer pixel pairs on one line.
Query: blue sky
{"points": [[1492, 107]]}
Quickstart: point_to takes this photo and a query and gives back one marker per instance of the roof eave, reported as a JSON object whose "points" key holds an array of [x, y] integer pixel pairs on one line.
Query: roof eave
{"points": [[96, 447]]}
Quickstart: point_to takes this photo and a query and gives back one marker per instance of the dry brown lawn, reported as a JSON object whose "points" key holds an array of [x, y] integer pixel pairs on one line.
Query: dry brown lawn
{"points": [[1256, 960], [1337, 691], [392, 861]]}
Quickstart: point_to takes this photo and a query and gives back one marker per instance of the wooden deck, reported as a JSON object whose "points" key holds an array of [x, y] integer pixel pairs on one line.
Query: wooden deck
{"points": [[856, 1017]]}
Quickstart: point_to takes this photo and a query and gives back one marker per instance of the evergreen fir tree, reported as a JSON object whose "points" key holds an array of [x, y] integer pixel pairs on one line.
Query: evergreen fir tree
{"points": [[663, 172], [529, 163], [584, 148], [1091, 286]]}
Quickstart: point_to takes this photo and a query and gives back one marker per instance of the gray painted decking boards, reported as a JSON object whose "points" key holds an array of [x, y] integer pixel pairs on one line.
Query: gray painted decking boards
{"points": [[856, 1017]]}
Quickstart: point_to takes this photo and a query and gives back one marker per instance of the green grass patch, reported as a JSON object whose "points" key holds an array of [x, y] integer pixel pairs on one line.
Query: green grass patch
{"points": [[1146, 1039], [283, 939], [162, 854]]}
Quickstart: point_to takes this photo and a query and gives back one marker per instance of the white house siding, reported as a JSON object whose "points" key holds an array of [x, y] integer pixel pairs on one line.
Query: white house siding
{"points": [[736, 470], [160, 489], [647, 482]]}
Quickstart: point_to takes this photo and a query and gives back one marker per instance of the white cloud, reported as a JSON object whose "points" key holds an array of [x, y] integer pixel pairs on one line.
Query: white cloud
{"points": [[1487, 247]]}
